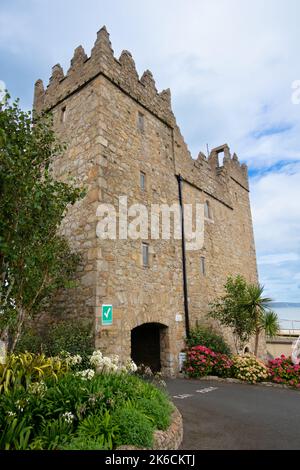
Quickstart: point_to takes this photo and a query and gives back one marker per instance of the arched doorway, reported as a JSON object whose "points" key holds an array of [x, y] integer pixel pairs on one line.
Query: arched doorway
{"points": [[148, 344]]}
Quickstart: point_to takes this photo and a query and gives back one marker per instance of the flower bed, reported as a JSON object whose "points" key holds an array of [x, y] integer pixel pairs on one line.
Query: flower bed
{"points": [[202, 361], [55, 405]]}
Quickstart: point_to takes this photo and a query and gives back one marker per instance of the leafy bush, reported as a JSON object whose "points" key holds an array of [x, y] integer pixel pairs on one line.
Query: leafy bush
{"points": [[159, 413], [222, 366], [200, 361], [97, 427], [31, 340], [72, 336], [15, 434], [21, 370], [134, 427], [52, 434], [206, 336], [79, 443], [75, 337], [249, 368], [283, 371]]}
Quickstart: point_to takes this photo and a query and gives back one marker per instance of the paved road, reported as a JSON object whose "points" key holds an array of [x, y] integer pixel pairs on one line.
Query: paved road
{"points": [[236, 416]]}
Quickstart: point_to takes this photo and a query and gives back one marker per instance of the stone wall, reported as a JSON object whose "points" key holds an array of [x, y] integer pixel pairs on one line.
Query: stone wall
{"points": [[97, 106]]}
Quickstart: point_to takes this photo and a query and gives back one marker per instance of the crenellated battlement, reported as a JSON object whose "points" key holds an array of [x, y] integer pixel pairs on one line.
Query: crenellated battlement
{"points": [[222, 164], [121, 72]]}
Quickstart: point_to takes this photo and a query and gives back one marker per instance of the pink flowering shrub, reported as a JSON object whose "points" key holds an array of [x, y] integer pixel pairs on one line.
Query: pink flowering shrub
{"points": [[203, 361], [222, 366], [283, 371], [199, 361]]}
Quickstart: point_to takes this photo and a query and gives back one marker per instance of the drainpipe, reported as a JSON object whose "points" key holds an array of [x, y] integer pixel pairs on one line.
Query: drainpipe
{"points": [[185, 285]]}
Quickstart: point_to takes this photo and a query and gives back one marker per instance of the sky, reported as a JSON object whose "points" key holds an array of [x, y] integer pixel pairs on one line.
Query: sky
{"points": [[233, 67]]}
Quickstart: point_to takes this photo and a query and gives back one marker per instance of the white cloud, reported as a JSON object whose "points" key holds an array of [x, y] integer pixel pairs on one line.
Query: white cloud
{"points": [[276, 216], [278, 258]]}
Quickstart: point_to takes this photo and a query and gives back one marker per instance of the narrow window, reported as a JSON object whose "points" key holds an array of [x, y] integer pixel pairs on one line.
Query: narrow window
{"points": [[145, 253], [221, 158], [202, 265], [141, 122], [143, 181], [207, 211], [63, 114]]}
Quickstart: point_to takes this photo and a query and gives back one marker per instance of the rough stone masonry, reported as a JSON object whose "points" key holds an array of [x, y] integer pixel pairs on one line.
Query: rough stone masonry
{"points": [[117, 126]]}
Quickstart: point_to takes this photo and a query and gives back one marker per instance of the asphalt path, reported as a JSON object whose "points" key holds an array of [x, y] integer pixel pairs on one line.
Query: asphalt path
{"points": [[221, 415]]}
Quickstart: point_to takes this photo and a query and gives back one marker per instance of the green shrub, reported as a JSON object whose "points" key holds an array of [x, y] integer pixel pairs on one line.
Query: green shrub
{"points": [[15, 434], [72, 336], [206, 336], [79, 443], [97, 427], [134, 427], [32, 341], [199, 361], [52, 434], [157, 412], [75, 337], [222, 366], [21, 370]]}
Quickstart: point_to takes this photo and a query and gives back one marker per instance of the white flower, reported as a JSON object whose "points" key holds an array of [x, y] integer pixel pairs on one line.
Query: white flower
{"points": [[87, 374], [38, 388], [19, 406], [96, 359], [115, 359], [11, 414], [106, 365], [131, 366], [68, 417], [71, 360]]}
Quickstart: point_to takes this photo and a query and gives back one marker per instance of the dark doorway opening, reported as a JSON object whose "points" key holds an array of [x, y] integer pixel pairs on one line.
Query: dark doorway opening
{"points": [[146, 345]]}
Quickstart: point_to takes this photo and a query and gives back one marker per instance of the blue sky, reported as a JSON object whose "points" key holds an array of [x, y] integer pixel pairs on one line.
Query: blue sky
{"points": [[230, 65]]}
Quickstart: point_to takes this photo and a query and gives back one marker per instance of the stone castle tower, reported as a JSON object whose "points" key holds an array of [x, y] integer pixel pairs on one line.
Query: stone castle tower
{"points": [[123, 140]]}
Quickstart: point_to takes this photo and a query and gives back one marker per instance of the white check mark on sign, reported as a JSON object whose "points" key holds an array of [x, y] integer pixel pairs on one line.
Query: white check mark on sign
{"points": [[106, 314]]}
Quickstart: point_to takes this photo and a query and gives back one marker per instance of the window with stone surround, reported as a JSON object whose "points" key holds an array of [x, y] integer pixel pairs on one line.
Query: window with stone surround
{"points": [[207, 210], [202, 265], [221, 158], [143, 181], [145, 254], [140, 122], [63, 114]]}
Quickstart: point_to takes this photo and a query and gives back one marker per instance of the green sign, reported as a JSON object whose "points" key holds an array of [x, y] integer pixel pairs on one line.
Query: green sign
{"points": [[107, 315]]}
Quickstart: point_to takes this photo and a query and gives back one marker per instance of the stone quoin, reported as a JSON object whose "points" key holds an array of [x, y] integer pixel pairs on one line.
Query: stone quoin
{"points": [[120, 131]]}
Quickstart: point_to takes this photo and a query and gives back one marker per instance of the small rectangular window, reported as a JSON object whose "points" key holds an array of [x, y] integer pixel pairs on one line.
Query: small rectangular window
{"points": [[141, 122], [63, 114], [145, 253], [206, 210], [221, 158], [202, 265], [143, 181]]}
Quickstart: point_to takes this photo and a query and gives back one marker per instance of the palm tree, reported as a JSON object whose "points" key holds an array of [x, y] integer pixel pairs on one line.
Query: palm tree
{"points": [[259, 311], [271, 324]]}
